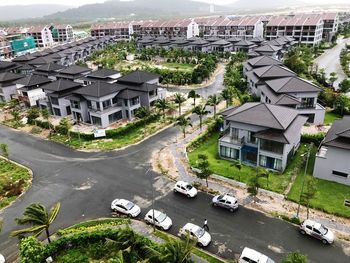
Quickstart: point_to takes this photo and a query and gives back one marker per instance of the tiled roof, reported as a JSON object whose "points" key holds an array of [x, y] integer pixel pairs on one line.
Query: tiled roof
{"points": [[102, 73], [73, 70], [262, 61], [50, 67], [61, 85], [295, 20], [273, 71], [9, 76], [33, 80], [99, 89], [267, 48], [138, 77], [291, 85], [339, 134]]}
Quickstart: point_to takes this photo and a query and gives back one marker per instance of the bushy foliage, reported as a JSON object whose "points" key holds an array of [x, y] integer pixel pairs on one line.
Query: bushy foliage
{"points": [[31, 250]]}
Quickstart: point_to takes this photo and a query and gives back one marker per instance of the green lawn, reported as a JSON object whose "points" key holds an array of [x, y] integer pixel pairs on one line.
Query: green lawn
{"points": [[330, 117], [276, 182], [10, 174], [178, 66]]}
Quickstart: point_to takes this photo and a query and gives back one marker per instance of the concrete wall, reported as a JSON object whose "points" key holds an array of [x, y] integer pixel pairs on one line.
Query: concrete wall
{"points": [[335, 159], [8, 91], [259, 29]]}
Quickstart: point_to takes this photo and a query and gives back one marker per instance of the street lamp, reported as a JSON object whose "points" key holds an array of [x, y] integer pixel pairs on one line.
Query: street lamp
{"points": [[305, 170]]}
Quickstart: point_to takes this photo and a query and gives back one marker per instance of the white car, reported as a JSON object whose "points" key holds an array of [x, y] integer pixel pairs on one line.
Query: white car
{"points": [[125, 207], [317, 230], [160, 219], [2, 259], [197, 233], [252, 256], [185, 188], [226, 201]]}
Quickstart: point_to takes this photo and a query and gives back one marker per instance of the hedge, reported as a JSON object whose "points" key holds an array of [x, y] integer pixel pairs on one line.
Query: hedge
{"points": [[313, 138]]}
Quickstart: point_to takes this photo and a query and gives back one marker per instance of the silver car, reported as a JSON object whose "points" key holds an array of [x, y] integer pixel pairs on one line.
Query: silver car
{"points": [[226, 201]]}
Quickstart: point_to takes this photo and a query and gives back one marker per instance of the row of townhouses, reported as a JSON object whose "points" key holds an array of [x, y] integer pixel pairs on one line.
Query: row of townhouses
{"points": [[19, 40], [306, 28]]}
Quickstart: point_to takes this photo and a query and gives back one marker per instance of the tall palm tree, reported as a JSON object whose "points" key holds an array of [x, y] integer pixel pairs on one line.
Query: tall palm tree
{"points": [[200, 111], [177, 250], [227, 95], [214, 100], [179, 99], [37, 215], [193, 95], [162, 105], [184, 122]]}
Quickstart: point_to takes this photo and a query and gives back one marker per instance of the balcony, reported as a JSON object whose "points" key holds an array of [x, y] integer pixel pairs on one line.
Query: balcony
{"points": [[232, 140]]}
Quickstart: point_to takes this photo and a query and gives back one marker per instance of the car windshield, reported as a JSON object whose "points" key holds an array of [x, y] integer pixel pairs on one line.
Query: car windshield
{"points": [[129, 205], [220, 197], [323, 230], [199, 232], [189, 187], [161, 217]]}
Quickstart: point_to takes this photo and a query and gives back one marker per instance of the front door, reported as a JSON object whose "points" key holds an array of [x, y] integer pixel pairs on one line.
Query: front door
{"points": [[69, 111]]}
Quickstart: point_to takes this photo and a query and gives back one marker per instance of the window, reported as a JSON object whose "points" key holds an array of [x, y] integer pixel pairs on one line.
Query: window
{"points": [[271, 146], [115, 100], [96, 121], [75, 104], [88, 102], [135, 101], [54, 101], [337, 173], [115, 117], [307, 103], [56, 112], [2, 98], [229, 152], [106, 104], [152, 93], [251, 138], [234, 132]]}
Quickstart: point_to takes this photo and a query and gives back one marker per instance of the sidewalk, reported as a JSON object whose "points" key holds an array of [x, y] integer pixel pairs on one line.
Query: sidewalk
{"points": [[268, 202]]}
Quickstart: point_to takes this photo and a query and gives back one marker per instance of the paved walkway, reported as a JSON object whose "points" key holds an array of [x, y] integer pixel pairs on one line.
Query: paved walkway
{"points": [[224, 185]]}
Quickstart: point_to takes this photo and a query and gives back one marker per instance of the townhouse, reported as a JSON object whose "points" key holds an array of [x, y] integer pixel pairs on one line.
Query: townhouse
{"points": [[332, 159], [330, 25], [304, 28], [275, 84], [8, 86], [121, 30], [260, 134], [62, 33], [42, 35]]}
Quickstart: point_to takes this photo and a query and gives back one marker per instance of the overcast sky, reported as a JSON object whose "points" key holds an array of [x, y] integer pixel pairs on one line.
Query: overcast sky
{"points": [[82, 2]]}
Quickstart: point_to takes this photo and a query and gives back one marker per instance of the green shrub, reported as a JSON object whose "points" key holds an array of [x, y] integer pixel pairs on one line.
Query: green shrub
{"points": [[31, 250], [74, 256], [313, 138], [35, 130]]}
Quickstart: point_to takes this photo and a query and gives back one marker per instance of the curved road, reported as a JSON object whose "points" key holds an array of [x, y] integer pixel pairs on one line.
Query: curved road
{"points": [[85, 184]]}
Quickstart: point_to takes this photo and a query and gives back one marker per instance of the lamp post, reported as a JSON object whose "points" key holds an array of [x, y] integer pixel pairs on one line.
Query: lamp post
{"points": [[303, 182]]}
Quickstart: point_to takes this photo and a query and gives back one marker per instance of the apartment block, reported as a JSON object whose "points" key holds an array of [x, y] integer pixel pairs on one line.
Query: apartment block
{"points": [[42, 35]]}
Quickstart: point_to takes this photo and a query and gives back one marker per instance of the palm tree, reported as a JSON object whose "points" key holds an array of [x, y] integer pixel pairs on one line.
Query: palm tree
{"points": [[179, 99], [200, 111], [264, 173], [193, 95], [40, 219], [184, 122], [227, 95], [177, 250], [214, 100], [162, 105]]}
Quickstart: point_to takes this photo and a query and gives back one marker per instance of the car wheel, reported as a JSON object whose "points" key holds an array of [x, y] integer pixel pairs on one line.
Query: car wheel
{"points": [[163, 228], [232, 210], [324, 241], [200, 244], [175, 191], [188, 196], [302, 232], [215, 204]]}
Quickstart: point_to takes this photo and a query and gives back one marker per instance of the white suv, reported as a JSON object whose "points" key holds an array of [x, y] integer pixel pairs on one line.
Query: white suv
{"points": [[160, 219], [197, 233], [317, 230], [125, 207], [252, 256], [226, 201], [185, 188]]}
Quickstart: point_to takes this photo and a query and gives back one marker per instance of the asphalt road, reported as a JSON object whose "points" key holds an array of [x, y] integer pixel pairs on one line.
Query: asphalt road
{"points": [[86, 183], [329, 60]]}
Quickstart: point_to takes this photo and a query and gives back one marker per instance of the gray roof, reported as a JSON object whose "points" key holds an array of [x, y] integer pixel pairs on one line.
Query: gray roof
{"points": [[41, 61], [291, 85], [234, 39], [200, 42], [73, 70], [213, 39], [128, 94], [244, 43], [103, 73], [50, 67], [221, 42], [33, 80], [257, 39], [287, 100], [138, 77], [7, 65], [99, 89], [268, 48], [263, 61], [339, 134], [9, 76], [273, 71], [180, 42], [276, 42], [145, 87], [23, 58], [61, 85], [264, 115]]}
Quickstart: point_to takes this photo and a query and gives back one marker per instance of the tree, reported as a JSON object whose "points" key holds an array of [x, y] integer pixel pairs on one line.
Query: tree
{"points": [[295, 257], [46, 115], [203, 166], [200, 111], [177, 250], [16, 118], [344, 86], [341, 104], [179, 99], [193, 95], [32, 114], [5, 150], [253, 186], [162, 105], [332, 78], [37, 215], [142, 112], [184, 122], [214, 100], [263, 173], [227, 95], [64, 126], [309, 193]]}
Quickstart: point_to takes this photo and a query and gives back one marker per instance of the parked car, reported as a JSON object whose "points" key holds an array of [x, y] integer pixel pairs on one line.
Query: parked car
{"points": [[185, 188], [2, 259], [197, 233], [317, 230], [160, 219], [126, 207], [252, 256], [226, 201]]}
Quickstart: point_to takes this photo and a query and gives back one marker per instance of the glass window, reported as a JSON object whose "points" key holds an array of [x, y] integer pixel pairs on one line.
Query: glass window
{"points": [[115, 117], [277, 164], [54, 101], [271, 146], [234, 133], [106, 104], [340, 174], [229, 152], [135, 101], [56, 112], [263, 160], [75, 104], [115, 100], [88, 102], [96, 120], [251, 137]]}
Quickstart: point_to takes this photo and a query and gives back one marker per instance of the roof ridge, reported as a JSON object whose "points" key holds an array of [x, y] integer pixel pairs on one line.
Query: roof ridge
{"points": [[274, 115], [246, 108]]}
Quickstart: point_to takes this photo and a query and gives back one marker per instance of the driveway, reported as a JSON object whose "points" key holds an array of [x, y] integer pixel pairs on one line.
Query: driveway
{"points": [[329, 60], [86, 183]]}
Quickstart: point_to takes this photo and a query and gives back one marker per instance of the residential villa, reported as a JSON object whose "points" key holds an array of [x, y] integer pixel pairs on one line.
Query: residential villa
{"points": [[332, 160], [8, 86], [260, 134]]}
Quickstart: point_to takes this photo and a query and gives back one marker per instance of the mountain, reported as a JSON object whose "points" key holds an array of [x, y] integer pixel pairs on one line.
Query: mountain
{"points": [[137, 9], [15, 12], [265, 4]]}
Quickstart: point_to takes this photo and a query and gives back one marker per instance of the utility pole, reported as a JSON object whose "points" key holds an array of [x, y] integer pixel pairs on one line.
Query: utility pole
{"points": [[303, 183]]}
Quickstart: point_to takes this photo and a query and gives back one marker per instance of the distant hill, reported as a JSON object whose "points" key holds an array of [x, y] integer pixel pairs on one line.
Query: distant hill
{"points": [[133, 10], [265, 4], [15, 12]]}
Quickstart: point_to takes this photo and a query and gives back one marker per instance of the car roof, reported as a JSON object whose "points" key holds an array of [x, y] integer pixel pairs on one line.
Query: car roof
{"points": [[123, 202], [253, 255], [191, 226], [182, 183], [312, 223], [230, 197], [156, 212]]}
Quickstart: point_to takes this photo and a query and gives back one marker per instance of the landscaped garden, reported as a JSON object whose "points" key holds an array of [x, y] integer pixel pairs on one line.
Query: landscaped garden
{"points": [[177, 66], [14, 180]]}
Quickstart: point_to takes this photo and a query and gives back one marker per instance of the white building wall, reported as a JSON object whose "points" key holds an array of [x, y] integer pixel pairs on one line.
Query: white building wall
{"points": [[259, 29], [192, 29]]}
